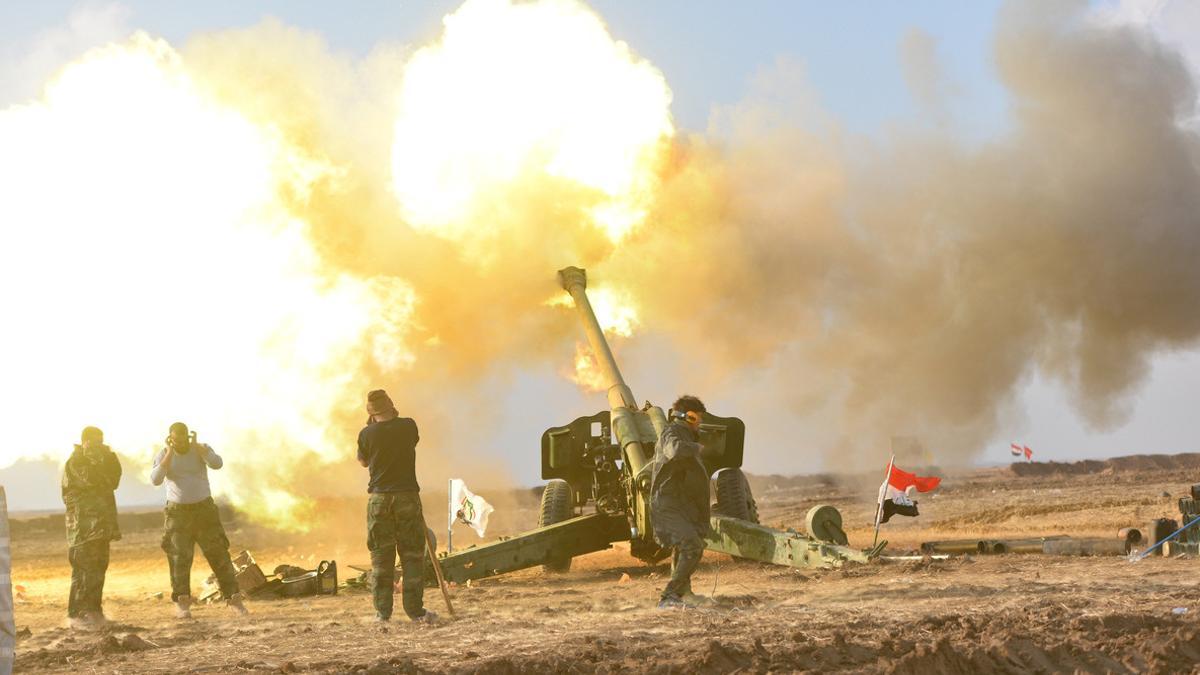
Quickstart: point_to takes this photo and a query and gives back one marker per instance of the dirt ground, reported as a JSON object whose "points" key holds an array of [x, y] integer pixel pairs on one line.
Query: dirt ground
{"points": [[1009, 613]]}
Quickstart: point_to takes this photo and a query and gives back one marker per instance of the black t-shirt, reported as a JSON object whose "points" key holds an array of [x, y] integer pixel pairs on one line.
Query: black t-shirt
{"points": [[390, 450]]}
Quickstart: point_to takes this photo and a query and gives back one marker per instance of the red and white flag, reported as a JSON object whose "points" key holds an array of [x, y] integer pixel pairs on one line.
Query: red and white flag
{"points": [[1021, 450], [901, 479], [893, 493]]}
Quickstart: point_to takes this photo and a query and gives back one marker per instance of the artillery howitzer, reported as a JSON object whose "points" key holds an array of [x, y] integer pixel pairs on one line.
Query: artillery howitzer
{"points": [[599, 470]]}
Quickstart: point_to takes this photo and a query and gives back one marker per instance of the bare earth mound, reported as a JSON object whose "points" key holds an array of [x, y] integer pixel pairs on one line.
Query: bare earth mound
{"points": [[1189, 461]]}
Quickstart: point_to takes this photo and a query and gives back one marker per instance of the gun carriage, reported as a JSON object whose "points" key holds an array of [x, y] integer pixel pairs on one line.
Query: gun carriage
{"points": [[599, 469]]}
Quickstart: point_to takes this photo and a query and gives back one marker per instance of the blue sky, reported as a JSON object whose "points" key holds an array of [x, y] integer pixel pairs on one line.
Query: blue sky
{"points": [[710, 53], [708, 50]]}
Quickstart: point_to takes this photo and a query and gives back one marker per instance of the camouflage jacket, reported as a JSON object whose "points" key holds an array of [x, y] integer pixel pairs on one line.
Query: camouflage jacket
{"points": [[89, 480], [679, 491]]}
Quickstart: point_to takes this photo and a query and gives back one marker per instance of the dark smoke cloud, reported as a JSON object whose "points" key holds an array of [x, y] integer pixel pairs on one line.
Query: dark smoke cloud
{"points": [[913, 284], [905, 286]]}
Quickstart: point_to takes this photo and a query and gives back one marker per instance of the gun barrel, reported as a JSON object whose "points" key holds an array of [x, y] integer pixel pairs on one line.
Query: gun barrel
{"points": [[625, 414], [574, 281]]}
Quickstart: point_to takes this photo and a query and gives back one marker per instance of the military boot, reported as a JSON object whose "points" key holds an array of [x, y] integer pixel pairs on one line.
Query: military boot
{"points": [[235, 601], [78, 623], [427, 617], [183, 607], [671, 602]]}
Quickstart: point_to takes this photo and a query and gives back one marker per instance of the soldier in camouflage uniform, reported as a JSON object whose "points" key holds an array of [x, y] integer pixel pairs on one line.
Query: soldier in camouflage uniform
{"points": [[91, 475], [395, 523], [191, 518], [679, 499]]}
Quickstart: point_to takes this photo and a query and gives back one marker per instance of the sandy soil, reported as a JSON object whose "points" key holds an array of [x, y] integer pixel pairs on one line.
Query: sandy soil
{"points": [[1012, 613]]}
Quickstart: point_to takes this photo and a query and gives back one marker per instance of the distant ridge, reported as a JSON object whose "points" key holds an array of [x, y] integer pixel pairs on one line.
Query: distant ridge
{"points": [[1182, 461]]}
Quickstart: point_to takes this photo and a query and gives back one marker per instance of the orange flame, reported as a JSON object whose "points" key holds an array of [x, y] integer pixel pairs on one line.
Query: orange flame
{"points": [[587, 371], [527, 92], [166, 280]]}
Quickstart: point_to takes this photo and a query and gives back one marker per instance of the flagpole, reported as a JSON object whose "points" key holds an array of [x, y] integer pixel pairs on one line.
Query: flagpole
{"points": [[450, 522], [879, 502]]}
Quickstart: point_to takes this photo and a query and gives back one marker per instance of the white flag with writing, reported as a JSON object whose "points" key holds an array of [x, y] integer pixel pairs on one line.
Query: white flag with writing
{"points": [[468, 508]]}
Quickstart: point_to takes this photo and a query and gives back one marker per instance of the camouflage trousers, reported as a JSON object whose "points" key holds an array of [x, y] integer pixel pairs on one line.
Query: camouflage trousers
{"points": [[89, 562], [187, 525], [395, 524], [684, 560]]}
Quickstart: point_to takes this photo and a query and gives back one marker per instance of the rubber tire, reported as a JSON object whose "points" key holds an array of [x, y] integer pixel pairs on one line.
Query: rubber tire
{"points": [[557, 506], [733, 496]]}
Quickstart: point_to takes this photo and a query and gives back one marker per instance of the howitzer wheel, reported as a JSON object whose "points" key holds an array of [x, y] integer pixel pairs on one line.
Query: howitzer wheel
{"points": [[557, 506], [825, 524], [733, 496]]}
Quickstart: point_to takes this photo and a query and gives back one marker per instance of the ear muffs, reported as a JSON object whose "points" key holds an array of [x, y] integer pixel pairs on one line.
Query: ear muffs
{"points": [[689, 416]]}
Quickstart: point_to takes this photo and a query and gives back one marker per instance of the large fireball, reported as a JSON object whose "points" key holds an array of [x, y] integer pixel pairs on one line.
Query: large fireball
{"points": [[151, 274], [517, 92]]}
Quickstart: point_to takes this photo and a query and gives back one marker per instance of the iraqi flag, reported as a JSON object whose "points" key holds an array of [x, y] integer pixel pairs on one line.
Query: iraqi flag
{"points": [[894, 493], [901, 480], [468, 508], [1016, 450], [896, 502]]}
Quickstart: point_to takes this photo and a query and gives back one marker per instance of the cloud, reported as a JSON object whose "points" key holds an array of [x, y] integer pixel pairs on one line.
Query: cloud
{"points": [[923, 72], [27, 65]]}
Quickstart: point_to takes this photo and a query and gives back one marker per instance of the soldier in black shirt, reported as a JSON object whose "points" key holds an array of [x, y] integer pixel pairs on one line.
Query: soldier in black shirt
{"points": [[387, 446]]}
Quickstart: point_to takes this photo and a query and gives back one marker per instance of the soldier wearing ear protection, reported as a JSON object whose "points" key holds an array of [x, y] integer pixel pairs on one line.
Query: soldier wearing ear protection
{"points": [[89, 479], [191, 518], [387, 448], [679, 499]]}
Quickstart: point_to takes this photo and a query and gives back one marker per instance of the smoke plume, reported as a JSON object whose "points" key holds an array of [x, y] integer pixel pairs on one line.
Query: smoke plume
{"points": [[249, 231], [913, 283]]}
